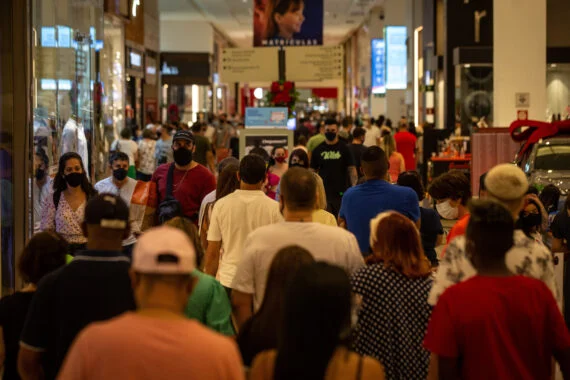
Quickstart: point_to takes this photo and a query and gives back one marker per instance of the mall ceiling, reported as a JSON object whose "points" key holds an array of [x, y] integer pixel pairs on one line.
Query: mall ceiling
{"points": [[235, 17]]}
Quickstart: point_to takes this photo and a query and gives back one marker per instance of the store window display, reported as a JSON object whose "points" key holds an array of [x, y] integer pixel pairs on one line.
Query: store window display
{"points": [[66, 40]]}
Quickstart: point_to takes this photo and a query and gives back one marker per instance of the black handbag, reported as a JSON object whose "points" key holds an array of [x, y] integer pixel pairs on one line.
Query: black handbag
{"points": [[169, 208]]}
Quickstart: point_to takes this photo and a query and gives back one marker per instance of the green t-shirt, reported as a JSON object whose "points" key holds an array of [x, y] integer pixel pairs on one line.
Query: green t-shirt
{"points": [[315, 141], [209, 304], [202, 147]]}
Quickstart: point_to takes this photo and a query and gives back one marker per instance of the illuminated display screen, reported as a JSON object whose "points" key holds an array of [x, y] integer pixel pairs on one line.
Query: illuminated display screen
{"points": [[378, 66], [396, 58]]}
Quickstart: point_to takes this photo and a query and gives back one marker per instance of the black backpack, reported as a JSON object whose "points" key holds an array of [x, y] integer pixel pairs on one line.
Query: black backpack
{"points": [[169, 208]]}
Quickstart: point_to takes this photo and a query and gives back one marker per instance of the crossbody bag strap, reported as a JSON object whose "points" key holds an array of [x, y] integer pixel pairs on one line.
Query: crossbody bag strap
{"points": [[170, 180]]}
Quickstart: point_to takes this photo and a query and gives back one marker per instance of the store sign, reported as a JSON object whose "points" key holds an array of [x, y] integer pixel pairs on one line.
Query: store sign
{"points": [[250, 65], [135, 62], [396, 58], [136, 59], [314, 63], [266, 117], [185, 68], [378, 66], [169, 70], [150, 71]]}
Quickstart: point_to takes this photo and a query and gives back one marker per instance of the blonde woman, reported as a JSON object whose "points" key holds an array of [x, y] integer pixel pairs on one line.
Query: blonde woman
{"points": [[320, 215], [397, 162]]}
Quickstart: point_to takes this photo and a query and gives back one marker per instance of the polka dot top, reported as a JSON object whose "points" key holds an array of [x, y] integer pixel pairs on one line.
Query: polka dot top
{"points": [[63, 220]]}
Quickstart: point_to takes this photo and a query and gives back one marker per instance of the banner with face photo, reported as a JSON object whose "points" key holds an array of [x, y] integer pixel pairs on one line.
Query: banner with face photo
{"points": [[288, 22]]}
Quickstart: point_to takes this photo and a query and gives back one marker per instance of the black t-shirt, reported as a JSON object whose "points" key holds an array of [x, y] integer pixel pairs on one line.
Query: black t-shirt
{"points": [[332, 162], [95, 286], [357, 150], [560, 227], [430, 228], [13, 311]]}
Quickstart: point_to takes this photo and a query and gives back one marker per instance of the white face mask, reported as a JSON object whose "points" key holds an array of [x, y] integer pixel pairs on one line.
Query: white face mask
{"points": [[447, 211]]}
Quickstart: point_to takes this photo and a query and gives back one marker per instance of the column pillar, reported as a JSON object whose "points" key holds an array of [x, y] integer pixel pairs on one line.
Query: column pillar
{"points": [[519, 59]]}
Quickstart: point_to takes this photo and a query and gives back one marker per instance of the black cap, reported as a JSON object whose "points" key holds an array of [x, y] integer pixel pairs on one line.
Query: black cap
{"points": [[183, 135], [108, 211]]}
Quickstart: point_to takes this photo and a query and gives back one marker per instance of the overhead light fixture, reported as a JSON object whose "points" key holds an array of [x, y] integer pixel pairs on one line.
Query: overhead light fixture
{"points": [[258, 93], [554, 65], [468, 66]]}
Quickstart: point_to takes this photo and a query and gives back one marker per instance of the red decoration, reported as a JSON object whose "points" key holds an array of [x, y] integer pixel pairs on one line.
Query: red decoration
{"points": [[283, 94], [536, 130]]}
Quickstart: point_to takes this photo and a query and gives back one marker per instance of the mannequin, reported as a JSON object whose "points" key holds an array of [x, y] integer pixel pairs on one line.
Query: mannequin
{"points": [[73, 140]]}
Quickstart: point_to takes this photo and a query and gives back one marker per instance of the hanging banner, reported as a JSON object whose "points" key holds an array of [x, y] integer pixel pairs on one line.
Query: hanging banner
{"points": [[288, 22]]}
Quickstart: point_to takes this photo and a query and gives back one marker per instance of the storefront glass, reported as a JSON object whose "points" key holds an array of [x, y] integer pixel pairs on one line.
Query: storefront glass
{"points": [[6, 146], [189, 100], [65, 37], [558, 91], [113, 80], [474, 96]]}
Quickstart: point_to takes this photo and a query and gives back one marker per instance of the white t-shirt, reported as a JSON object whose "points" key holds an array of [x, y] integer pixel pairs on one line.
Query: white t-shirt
{"points": [[372, 136], [126, 193], [333, 245], [209, 198], [233, 218], [129, 147]]}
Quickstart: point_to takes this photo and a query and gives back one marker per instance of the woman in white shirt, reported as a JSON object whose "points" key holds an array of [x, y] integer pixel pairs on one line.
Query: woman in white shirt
{"points": [[126, 145], [64, 209]]}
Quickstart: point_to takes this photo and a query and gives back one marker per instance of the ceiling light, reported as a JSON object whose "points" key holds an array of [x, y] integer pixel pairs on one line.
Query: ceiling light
{"points": [[258, 93], [467, 66], [553, 65]]}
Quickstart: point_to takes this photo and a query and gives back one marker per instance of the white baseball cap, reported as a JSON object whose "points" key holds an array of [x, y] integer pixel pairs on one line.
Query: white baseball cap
{"points": [[506, 182], [164, 250]]}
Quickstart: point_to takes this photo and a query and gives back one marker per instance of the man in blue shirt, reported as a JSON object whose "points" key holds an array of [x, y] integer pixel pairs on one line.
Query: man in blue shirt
{"points": [[362, 203]]}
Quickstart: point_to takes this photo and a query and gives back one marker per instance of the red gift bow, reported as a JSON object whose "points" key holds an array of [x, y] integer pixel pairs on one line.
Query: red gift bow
{"points": [[536, 131]]}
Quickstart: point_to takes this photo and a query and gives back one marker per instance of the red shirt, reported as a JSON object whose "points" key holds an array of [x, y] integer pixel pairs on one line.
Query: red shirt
{"points": [[406, 146], [189, 190], [499, 328]]}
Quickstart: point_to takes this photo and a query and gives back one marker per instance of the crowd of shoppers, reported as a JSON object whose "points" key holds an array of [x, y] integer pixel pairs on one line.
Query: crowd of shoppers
{"points": [[322, 263]]}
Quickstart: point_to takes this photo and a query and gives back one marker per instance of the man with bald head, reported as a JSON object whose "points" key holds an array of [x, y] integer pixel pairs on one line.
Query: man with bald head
{"points": [[326, 243]]}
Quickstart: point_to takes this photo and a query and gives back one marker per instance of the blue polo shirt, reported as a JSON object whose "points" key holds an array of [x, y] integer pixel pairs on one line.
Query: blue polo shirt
{"points": [[362, 203]]}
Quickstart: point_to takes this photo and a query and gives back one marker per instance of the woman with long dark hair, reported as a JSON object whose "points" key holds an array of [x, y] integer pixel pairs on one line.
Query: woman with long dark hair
{"points": [[260, 332], [316, 320], [228, 182], [394, 288], [431, 229], [64, 210]]}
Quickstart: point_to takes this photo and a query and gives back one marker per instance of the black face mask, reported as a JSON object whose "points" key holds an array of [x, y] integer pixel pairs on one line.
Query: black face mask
{"points": [[120, 174], [531, 220], [40, 174], [182, 156], [330, 136], [74, 179]]}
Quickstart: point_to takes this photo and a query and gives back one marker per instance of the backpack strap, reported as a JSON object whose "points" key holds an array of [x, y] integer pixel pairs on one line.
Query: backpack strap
{"points": [[170, 180]]}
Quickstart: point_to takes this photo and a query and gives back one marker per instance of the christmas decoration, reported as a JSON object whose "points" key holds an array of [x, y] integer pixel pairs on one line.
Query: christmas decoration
{"points": [[283, 94]]}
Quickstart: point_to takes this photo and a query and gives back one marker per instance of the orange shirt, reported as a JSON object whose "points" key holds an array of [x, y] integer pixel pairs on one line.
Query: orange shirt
{"points": [[134, 346], [459, 228]]}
